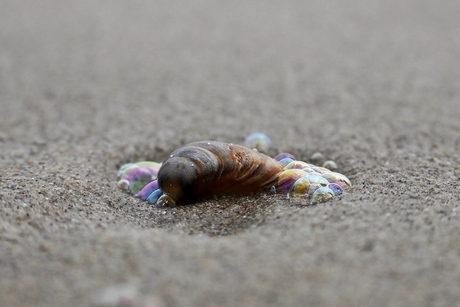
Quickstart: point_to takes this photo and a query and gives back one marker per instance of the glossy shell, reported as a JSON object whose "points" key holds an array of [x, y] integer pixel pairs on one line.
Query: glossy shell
{"points": [[203, 169]]}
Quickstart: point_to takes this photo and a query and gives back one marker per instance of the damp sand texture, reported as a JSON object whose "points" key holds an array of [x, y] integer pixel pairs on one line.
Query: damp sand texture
{"points": [[88, 86]]}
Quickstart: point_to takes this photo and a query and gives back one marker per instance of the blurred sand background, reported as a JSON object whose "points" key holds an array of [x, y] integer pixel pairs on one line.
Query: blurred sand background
{"points": [[86, 86]]}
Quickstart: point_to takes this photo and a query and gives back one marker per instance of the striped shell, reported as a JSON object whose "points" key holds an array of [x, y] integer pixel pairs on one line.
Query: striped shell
{"points": [[203, 169]]}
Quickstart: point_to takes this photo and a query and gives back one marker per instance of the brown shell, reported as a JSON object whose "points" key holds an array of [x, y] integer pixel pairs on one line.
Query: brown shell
{"points": [[202, 169]]}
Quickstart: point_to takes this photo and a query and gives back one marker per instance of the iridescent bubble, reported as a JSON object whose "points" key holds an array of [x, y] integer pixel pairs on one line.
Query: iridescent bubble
{"points": [[154, 196], [316, 182], [147, 166], [338, 178], [317, 179], [298, 165], [300, 187], [284, 155], [336, 188], [321, 195], [123, 168], [134, 176], [321, 170], [148, 189], [287, 178], [258, 141], [284, 162]]}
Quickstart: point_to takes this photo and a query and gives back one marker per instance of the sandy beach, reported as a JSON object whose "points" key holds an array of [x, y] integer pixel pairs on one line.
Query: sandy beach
{"points": [[87, 86]]}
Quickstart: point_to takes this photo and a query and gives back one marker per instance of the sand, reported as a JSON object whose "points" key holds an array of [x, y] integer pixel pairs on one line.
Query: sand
{"points": [[86, 86]]}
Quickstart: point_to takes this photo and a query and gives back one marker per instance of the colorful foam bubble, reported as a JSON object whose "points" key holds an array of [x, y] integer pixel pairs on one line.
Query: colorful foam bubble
{"points": [[287, 178], [258, 141], [321, 195]]}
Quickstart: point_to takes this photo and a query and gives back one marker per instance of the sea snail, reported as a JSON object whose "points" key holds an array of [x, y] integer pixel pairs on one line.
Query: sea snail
{"points": [[204, 169]]}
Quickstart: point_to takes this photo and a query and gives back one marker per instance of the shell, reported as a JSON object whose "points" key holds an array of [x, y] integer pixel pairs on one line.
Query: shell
{"points": [[203, 169]]}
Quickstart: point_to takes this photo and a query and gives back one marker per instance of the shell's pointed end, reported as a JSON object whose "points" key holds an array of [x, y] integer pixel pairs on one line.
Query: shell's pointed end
{"points": [[166, 201]]}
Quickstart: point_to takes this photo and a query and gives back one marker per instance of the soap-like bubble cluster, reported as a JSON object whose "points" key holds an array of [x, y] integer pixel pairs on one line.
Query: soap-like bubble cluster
{"points": [[140, 179], [302, 180]]}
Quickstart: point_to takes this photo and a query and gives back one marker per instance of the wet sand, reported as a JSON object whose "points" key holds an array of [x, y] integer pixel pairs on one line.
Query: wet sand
{"points": [[86, 87]]}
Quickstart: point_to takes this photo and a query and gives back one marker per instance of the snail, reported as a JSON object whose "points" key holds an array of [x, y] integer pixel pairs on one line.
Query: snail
{"points": [[203, 169], [207, 168]]}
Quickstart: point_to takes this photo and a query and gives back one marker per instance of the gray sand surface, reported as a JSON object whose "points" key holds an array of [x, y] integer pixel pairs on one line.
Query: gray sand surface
{"points": [[86, 86]]}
